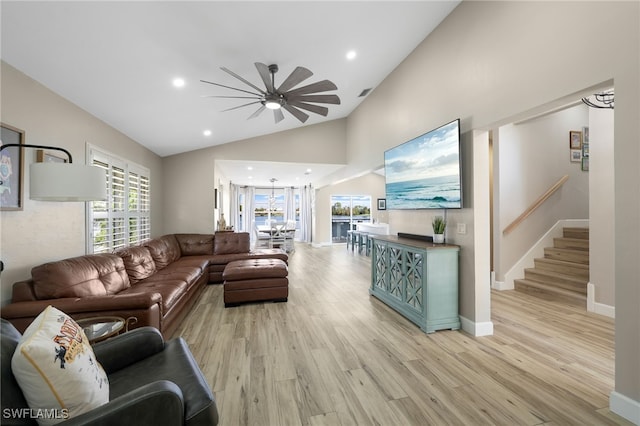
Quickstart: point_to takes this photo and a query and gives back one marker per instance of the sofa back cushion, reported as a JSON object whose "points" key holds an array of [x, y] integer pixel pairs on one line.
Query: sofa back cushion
{"points": [[138, 262], [164, 250], [89, 275], [231, 243], [195, 244]]}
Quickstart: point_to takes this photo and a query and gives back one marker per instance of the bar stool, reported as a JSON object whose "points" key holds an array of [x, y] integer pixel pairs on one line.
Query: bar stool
{"points": [[368, 246], [362, 241], [350, 239]]}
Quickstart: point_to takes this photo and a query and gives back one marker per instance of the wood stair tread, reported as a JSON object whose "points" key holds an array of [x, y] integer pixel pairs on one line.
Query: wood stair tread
{"points": [[554, 274], [578, 256], [576, 232], [559, 262], [563, 272], [565, 283], [571, 243], [537, 288], [577, 270]]}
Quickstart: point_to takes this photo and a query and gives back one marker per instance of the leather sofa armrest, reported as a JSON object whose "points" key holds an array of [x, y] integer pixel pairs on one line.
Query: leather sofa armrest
{"points": [[146, 307], [157, 403], [76, 305], [121, 351]]}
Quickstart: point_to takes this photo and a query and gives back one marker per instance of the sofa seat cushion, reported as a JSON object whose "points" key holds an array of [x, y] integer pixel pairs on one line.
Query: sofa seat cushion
{"points": [[171, 290], [138, 262], [164, 250], [188, 274], [56, 368], [200, 262], [82, 276], [266, 253], [223, 259]]}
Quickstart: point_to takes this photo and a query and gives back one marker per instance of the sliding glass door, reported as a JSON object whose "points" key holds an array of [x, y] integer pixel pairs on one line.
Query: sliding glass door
{"points": [[346, 212]]}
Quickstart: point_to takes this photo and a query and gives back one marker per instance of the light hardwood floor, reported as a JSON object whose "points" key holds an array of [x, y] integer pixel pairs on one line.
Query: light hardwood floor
{"points": [[333, 355]]}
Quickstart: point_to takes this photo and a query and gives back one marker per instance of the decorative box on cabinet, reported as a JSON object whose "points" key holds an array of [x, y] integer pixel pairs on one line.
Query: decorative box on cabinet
{"points": [[418, 279]]}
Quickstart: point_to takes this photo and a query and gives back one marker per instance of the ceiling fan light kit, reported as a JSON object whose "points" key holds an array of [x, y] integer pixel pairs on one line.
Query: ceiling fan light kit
{"points": [[285, 96]]}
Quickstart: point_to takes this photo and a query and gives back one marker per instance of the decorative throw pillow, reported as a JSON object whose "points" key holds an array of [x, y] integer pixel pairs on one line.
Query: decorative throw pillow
{"points": [[57, 370]]}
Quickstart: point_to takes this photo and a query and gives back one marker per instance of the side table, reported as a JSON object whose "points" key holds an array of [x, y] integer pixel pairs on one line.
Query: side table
{"points": [[101, 328]]}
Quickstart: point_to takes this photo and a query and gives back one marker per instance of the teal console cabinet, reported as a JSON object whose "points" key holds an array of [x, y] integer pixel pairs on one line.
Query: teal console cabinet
{"points": [[418, 279]]}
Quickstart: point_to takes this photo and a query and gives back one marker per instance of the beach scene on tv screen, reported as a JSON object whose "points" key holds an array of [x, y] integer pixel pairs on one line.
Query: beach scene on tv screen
{"points": [[424, 173]]}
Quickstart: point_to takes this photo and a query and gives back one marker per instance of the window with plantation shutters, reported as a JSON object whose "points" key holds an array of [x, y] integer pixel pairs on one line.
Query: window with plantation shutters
{"points": [[124, 219]]}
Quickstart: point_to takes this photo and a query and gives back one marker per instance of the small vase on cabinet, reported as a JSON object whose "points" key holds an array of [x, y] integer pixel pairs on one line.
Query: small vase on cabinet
{"points": [[438, 238]]}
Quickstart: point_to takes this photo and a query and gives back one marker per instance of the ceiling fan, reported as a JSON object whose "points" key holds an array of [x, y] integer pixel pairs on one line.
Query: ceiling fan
{"points": [[285, 96]]}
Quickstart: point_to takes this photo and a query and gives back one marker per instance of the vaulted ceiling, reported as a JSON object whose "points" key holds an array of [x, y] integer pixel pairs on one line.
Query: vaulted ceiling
{"points": [[118, 60]]}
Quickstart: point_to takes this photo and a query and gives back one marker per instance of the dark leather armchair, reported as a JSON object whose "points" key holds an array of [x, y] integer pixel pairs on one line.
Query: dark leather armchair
{"points": [[151, 382]]}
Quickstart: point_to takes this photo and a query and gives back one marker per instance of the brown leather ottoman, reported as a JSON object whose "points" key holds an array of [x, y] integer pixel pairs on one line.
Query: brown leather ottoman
{"points": [[255, 280]]}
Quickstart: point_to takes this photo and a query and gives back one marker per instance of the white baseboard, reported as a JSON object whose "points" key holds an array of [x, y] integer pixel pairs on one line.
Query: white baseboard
{"points": [[477, 329], [322, 244], [598, 308], [498, 285], [625, 407], [501, 285]]}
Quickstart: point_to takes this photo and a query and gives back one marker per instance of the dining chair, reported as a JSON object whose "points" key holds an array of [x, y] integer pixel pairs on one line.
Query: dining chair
{"points": [[278, 235], [262, 238]]}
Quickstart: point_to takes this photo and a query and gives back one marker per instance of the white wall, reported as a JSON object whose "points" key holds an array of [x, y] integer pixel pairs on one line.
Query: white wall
{"points": [[370, 184], [190, 178], [532, 156], [602, 256], [490, 63], [45, 231]]}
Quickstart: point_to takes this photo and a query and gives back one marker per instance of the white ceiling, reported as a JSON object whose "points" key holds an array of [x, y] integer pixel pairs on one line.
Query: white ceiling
{"points": [[117, 59]]}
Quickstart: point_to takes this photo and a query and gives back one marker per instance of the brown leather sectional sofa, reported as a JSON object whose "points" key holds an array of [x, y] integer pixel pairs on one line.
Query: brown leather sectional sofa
{"points": [[156, 283]]}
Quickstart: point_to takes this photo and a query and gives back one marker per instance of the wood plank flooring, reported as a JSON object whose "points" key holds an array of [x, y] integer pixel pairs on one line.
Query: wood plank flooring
{"points": [[333, 355]]}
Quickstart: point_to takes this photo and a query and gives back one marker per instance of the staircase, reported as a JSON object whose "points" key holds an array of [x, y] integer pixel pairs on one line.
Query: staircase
{"points": [[563, 273]]}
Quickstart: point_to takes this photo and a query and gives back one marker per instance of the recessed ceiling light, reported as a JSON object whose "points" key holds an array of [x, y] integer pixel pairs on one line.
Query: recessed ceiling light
{"points": [[207, 132], [249, 168], [308, 170], [351, 55], [178, 82]]}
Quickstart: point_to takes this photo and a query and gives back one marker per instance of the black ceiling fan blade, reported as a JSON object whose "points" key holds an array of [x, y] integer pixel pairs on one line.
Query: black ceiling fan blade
{"points": [[266, 76], [278, 115], [232, 88], [296, 112], [296, 77], [310, 107], [232, 97], [257, 112], [323, 99], [242, 79], [320, 86], [240, 106]]}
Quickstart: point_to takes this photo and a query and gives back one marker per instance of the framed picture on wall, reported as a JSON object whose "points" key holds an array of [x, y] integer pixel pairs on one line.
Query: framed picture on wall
{"points": [[11, 168], [575, 139], [576, 155], [382, 203]]}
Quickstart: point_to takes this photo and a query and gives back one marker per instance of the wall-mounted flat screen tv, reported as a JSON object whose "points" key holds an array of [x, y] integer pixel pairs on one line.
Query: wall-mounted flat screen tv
{"points": [[424, 173]]}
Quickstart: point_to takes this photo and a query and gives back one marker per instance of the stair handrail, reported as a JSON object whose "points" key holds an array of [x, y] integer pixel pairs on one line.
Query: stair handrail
{"points": [[513, 225]]}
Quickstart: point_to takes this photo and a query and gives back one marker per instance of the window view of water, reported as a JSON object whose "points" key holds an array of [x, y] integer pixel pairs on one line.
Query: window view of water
{"points": [[346, 212]]}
